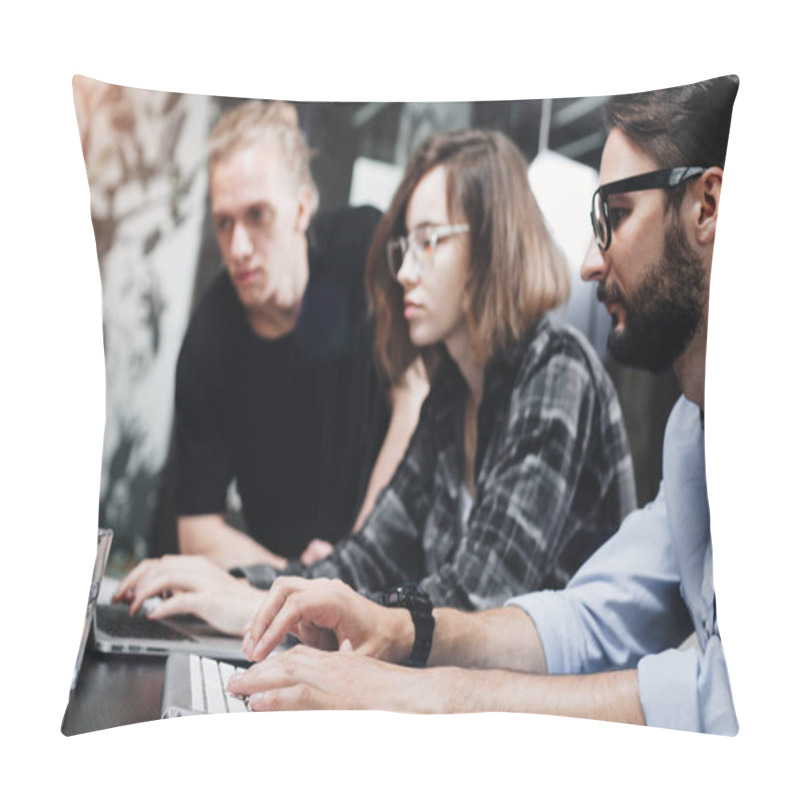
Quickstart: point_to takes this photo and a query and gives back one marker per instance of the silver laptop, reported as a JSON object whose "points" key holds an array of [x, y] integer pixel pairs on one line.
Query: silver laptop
{"points": [[114, 630]]}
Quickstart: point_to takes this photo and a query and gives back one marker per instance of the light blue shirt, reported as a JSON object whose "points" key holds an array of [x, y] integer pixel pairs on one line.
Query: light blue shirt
{"points": [[644, 592]]}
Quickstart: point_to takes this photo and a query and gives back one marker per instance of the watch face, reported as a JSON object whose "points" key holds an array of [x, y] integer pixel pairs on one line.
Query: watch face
{"points": [[416, 600], [410, 597]]}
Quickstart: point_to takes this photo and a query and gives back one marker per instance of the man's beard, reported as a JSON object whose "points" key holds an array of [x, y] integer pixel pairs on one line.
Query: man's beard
{"points": [[663, 312]]}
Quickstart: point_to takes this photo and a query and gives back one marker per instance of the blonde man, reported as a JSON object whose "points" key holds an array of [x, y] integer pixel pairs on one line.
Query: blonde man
{"points": [[276, 387]]}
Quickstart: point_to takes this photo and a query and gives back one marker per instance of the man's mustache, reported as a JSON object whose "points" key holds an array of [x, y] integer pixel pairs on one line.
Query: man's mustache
{"points": [[610, 294]]}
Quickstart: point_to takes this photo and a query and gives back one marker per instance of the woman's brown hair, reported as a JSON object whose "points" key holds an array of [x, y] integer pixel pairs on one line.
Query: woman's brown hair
{"points": [[516, 271]]}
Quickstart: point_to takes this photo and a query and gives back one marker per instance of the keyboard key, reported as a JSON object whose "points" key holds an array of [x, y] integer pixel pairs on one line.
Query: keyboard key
{"points": [[209, 686], [215, 696], [235, 703], [196, 678]]}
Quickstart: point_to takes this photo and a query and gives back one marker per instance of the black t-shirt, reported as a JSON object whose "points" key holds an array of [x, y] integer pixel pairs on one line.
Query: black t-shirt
{"points": [[297, 421]]}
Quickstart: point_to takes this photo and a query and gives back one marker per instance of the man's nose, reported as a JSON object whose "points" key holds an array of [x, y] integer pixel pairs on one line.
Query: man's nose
{"points": [[241, 244], [594, 265]]}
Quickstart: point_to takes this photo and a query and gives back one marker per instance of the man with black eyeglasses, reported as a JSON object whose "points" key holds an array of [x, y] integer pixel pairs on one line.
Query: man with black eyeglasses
{"points": [[613, 644]]}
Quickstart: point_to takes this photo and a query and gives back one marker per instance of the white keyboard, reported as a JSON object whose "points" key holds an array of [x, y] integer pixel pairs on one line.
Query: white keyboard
{"points": [[209, 681]]}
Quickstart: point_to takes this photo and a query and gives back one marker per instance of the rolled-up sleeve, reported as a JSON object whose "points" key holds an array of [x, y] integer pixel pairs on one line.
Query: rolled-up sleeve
{"points": [[624, 609], [623, 604]]}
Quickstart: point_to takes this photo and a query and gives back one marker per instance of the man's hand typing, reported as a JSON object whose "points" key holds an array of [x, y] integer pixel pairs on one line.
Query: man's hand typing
{"points": [[325, 613]]}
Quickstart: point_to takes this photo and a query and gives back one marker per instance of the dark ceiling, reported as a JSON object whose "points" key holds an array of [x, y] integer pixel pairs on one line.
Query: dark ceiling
{"points": [[340, 132]]}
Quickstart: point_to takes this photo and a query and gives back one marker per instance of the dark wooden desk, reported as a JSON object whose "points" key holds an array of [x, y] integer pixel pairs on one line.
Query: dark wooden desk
{"points": [[115, 690]]}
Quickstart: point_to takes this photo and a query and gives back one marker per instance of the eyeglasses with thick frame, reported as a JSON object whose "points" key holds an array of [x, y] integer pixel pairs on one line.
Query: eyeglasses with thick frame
{"points": [[660, 179], [422, 243]]}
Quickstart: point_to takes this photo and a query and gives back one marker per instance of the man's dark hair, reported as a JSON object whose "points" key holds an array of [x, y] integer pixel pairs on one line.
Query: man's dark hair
{"points": [[682, 126]]}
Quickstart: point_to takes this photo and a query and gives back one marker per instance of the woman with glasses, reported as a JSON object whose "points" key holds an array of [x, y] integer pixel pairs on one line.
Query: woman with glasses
{"points": [[519, 468]]}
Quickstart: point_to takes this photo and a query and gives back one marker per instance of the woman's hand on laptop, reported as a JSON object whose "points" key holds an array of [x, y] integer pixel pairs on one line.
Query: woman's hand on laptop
{"points": [[325, 614], [191, 585]]}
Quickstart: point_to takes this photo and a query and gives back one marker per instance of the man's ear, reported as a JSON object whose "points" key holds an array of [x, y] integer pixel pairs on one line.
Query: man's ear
{"points": [[304, 208], [704, 199]]}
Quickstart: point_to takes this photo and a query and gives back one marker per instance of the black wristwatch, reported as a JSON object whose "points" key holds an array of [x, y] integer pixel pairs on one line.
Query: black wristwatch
{"points": [[410, 596]]}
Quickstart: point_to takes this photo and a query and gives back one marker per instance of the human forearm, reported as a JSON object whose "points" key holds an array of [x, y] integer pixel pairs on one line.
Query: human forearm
{"points": [[609, 696], [389, 457], [503, 638], [209, 535], [500, 638], [305, 678], [407, 399]]}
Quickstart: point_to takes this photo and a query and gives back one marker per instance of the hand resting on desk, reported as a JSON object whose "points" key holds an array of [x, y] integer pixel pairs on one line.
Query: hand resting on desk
{"points": [[191, 585]]}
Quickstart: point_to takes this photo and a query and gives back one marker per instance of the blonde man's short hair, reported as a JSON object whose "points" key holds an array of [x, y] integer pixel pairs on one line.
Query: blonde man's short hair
{"points": [[258, 120]]}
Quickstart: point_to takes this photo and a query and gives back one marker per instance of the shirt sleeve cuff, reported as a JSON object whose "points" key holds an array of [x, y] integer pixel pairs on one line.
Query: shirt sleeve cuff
{"points": [[554, 623]]}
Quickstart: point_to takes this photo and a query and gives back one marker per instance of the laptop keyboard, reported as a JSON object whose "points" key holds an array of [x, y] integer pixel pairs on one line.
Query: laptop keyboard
{"points": [[118, 622], [209, 679]]}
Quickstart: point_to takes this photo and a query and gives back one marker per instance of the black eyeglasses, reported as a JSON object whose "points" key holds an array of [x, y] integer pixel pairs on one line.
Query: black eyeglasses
{"points": [[660, 179]]}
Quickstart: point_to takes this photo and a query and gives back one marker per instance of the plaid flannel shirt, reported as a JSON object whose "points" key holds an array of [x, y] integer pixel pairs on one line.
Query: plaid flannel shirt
{"points": [[553, 481]]}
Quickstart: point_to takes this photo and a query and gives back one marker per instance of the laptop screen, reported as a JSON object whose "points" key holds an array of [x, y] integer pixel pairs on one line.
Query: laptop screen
{"points": [[104, 536]]}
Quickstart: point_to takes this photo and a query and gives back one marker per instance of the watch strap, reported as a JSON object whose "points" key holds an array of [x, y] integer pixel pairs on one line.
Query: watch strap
{"points": [[423, 638], [419, 605]]}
